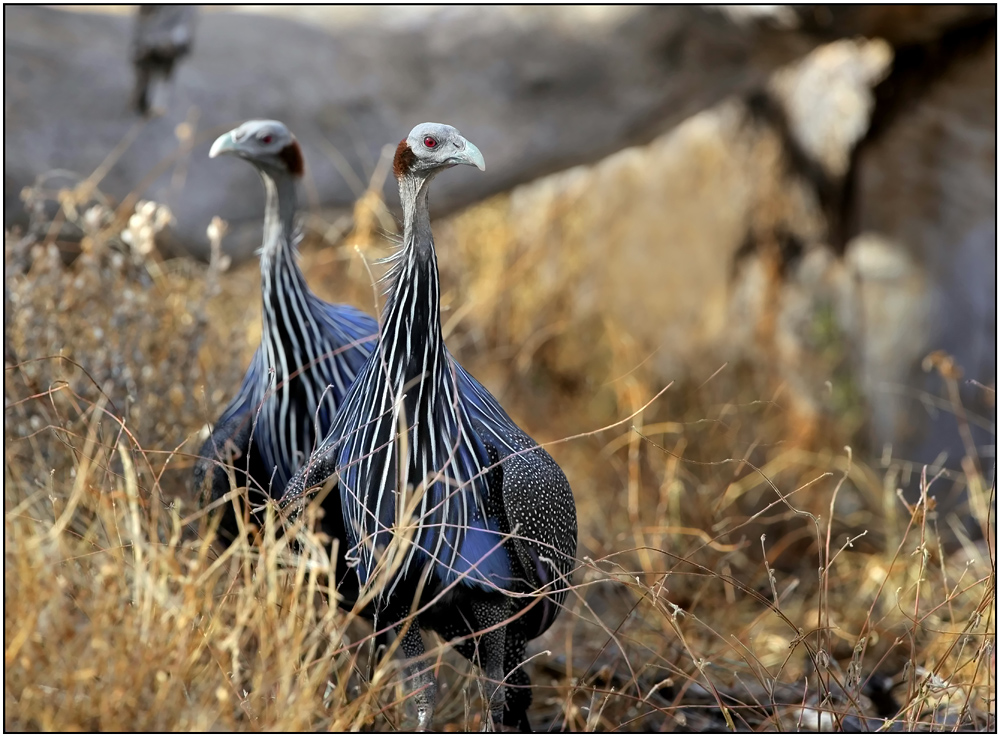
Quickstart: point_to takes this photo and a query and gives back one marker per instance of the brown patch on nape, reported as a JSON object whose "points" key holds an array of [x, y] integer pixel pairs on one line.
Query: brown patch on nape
{"points": [[403, 161], [292, 157]]}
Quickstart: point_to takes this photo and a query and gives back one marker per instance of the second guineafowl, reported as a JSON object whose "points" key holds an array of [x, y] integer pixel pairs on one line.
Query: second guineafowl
{"points": [[309, 353]]}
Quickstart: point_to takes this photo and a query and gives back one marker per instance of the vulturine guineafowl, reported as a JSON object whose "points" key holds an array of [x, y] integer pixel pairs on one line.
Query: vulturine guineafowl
{"points": [[310, 351], [454, 517]]}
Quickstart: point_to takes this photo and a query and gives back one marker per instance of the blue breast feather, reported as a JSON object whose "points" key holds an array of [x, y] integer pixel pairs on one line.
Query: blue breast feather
{"points": [[480, 559]]}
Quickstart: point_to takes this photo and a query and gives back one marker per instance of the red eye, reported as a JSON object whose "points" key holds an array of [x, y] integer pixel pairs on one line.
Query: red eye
{"points": [[430, 142], [267, 139]]}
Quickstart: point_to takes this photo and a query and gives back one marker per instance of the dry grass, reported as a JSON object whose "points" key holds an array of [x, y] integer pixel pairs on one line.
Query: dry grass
{"points": [[731, 574]]}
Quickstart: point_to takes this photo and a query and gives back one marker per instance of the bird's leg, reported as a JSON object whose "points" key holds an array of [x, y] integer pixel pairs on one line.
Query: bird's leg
{"points": [[487, 614], [420, 677]]}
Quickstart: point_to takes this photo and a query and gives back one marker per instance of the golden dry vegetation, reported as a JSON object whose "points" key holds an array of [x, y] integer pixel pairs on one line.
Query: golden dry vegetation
{"points": [[734, 571]]}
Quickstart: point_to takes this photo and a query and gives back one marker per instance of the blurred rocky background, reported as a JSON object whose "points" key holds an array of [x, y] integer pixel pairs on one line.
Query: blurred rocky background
{"points": [[806, 195], [712, 247]]}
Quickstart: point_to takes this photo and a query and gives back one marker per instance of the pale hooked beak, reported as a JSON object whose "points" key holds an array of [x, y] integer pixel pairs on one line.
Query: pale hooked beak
{"points": [[471, 155], [223, 144]]}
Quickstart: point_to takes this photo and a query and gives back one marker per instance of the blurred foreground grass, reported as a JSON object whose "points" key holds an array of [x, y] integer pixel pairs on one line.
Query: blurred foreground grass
{"points": [[734, 570]]}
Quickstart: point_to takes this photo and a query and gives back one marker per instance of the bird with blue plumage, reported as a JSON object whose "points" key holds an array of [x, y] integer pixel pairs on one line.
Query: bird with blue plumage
{"points": [[309, 354], [455, 519]]}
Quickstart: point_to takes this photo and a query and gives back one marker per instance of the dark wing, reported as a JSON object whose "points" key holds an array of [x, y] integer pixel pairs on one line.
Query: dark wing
{"points": [[228, 448], [537, 501]]}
